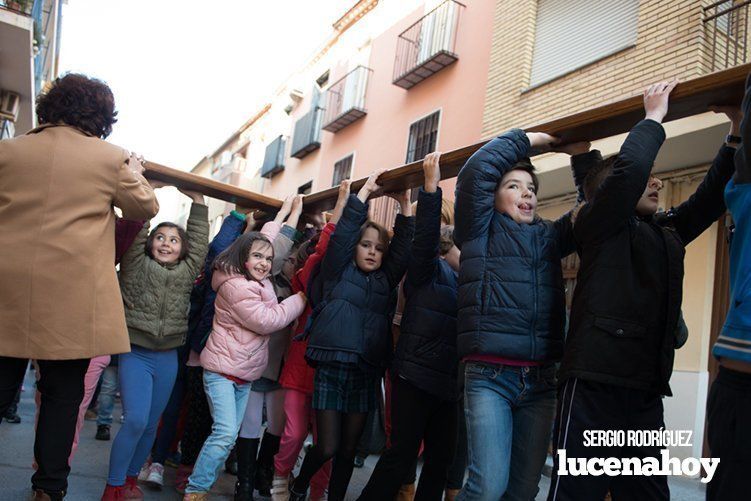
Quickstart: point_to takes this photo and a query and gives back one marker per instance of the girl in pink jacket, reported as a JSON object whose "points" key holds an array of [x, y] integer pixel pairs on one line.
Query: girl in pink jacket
{"points": [[236, 353]]}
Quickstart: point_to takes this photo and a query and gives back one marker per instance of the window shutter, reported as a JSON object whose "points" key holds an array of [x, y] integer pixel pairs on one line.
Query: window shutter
{"points": [[573, 33]]}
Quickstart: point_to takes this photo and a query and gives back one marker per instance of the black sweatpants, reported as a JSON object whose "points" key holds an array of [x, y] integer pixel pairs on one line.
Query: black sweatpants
{"points": [[587, 405], [198, 419], [415, 416], [61, 387], [729, 434]]}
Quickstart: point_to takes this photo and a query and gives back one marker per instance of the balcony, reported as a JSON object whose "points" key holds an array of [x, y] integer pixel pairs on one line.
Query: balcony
{"points": [[345, 100], [307, 135], [427, 46], [273, 160], [7, 128], [19, 7], [726, 34]]}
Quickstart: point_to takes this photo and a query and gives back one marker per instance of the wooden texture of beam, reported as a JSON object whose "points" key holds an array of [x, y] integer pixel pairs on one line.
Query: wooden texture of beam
{"points": [[210, 187], [688, 98]]}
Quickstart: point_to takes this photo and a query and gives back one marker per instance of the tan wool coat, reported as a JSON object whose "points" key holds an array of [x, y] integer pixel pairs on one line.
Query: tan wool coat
{"points": [[59, 295]]}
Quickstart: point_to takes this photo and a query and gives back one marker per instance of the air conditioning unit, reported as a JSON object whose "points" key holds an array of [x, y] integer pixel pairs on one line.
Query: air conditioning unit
{"points": [[10, 102]]}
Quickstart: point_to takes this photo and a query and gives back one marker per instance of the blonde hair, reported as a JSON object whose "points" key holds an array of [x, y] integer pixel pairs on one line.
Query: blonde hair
{"points": [[447, 211]]}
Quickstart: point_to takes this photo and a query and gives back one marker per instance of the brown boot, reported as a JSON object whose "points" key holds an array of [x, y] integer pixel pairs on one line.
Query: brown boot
{"points": [[40, 495], [450, 494], [406, 493]]}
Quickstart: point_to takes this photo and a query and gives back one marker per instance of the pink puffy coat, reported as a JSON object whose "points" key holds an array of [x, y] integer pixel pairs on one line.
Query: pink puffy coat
{"points": [[246, 313]]}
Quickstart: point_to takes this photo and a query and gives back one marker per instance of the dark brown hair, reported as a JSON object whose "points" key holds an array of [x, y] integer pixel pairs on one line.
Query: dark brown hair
{"points": [[234, 257], [526, 165], [383, 234], [596, 175], [184, 250], [83, 102]]}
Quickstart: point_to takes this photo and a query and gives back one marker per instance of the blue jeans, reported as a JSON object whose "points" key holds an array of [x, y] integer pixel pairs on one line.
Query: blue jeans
{"points": [[227, 401], [107, 396], [509, 412], [146, 379]]}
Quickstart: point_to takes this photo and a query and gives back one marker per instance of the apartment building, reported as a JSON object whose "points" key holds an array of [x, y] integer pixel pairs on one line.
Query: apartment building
{"points": [[29, 37]]}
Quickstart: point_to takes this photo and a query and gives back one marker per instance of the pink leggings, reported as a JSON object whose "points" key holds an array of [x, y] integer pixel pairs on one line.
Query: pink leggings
{"points": [[297, 408]]}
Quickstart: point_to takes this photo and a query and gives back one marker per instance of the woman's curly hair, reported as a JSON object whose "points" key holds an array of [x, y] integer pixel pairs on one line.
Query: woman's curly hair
{"points": [[77, 100]]}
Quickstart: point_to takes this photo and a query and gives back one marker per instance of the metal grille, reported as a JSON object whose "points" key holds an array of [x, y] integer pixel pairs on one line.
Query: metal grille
{"points": [[726, 32], [423, 136], [342, 170]]}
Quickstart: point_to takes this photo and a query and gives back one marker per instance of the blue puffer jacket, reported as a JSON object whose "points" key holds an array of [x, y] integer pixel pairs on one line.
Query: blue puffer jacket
{"points": [[202, 296], [351, 323], [511, 296], [426, 352]]}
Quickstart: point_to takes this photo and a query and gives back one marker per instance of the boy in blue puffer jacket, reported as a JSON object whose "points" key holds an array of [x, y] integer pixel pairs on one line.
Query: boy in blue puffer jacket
{"points": [[729, 403], [511, 312]]}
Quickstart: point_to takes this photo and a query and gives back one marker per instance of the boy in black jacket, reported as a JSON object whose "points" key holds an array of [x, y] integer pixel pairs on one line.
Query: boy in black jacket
{"points": [[620, 347]]}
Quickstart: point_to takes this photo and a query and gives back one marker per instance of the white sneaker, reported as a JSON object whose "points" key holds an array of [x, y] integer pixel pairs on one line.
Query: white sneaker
{"points": [[144, 473], [155, 479], [280, 489]]}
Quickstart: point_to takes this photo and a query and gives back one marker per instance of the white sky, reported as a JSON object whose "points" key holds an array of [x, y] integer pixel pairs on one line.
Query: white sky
{"points": [[186, 74]]}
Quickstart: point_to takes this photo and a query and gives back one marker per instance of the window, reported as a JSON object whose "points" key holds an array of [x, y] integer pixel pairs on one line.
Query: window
{"points": [[305, 189], [343, 169], [423, 136], [574, 33], [323, 80]]}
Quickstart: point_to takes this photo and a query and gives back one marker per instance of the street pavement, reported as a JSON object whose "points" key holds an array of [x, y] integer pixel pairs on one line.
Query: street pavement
{"points": [[89, 468]]}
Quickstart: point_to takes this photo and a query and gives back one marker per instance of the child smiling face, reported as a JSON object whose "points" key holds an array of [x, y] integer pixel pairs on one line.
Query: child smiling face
{"points": [[259, 260], [167, 245], [516, 196]]}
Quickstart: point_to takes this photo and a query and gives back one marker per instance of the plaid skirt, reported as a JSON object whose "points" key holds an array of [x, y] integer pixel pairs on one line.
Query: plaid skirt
{"points": [[344, 387]]}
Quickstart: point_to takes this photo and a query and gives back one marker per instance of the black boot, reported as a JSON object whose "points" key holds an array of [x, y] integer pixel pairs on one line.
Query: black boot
{"points": [[265, 468], [230, 465], [246, 448]]}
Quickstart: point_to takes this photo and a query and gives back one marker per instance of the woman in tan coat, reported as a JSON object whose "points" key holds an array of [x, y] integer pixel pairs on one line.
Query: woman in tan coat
{"points": [[59, 301]]}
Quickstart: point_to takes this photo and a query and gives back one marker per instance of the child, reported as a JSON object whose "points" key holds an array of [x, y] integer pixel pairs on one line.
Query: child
{"points": [[621, 341], [728, 409], [257, 472], [350, 340], [511, 314], [156, 276], [424, 389], [297, 375], [200, 319], [247, 312]]}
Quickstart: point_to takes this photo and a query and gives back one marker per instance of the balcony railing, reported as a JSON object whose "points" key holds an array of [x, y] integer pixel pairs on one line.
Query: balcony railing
{"points": [[7, 128], [726, 33], [307, 135], [20, 6], [345, 100], [273, 160], [427, 46]]}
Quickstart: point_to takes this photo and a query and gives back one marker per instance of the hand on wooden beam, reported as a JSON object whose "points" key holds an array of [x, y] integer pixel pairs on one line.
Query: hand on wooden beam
{"points": [[371, 186], [341, 200], [656, 98], [403, 199], [431, 168], [195, 196], [541, 142], [284, 211], [734, 113], [574, 149]]}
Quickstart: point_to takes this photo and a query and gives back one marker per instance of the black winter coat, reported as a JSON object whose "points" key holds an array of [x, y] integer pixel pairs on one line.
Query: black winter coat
{"points": [[351, 324], [629, 287], [511, 296], [426, 353]]}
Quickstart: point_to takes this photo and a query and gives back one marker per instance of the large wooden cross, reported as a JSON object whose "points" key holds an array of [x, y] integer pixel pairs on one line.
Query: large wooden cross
{"points": [[688, 98]]}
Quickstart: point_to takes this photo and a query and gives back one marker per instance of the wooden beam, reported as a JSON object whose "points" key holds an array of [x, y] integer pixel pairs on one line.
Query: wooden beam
{"points": [[688, 98], [210, 187]]}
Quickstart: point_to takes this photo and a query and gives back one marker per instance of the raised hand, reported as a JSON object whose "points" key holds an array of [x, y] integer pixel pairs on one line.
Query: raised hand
{"points": [[734, 113], [656, 100], [193, 195], [284, 210], [403, 198], [295, 211], [341, 200], [371, 186], [431, 169], [574, 148], [541, 142], [135, 162]]}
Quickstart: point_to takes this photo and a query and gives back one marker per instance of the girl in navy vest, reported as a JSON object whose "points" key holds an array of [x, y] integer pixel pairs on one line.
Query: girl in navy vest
{"points": [[354, 295]]}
